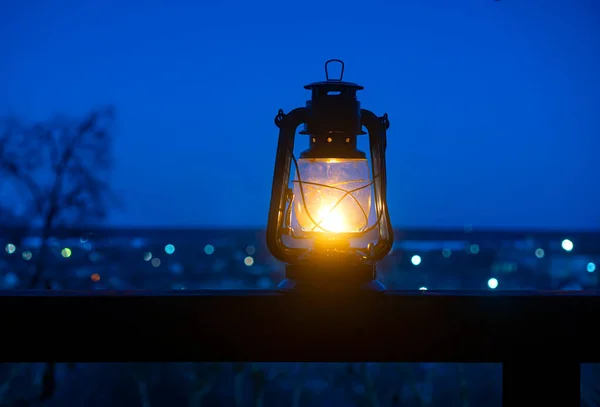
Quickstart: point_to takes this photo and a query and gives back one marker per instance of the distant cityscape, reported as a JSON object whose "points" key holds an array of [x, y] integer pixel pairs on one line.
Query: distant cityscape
{"points": [[158, 259]]}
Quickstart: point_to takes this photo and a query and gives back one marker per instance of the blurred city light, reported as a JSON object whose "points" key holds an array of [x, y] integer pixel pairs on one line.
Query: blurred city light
{"points": [[567, 245]]}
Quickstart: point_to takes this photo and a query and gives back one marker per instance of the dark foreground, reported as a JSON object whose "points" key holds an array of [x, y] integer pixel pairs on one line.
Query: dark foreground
{"points": [[551, 333], [540, 338]]}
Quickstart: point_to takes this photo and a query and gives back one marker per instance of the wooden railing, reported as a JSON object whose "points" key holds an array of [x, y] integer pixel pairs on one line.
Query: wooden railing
{"points": [[540, 337]]}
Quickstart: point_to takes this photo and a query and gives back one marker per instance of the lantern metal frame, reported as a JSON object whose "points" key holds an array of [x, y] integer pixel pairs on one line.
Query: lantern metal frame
{"points": [[333, 110]]}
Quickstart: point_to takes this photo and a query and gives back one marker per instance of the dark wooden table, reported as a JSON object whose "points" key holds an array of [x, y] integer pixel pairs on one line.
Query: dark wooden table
{"points": [[540, 337]]}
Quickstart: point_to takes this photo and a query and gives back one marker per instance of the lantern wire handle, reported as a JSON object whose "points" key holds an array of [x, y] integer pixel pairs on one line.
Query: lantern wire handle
{"points": [[327, 69]]}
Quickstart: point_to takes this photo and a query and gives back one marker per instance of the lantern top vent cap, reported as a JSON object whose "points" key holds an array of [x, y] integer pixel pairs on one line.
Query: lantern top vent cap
{"points": [[333, 83]]}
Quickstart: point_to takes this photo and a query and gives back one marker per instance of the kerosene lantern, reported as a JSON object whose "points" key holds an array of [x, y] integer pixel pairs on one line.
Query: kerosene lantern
{"points": [[328, 218]]}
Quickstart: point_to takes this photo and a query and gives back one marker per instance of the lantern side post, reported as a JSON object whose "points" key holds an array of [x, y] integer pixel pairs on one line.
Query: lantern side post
{"points": [[377, 129], [288, 124]]}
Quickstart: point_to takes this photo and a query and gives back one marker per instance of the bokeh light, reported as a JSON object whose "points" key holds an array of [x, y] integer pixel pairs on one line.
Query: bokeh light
{"points": [[95, 277], [493, 283], [156, 262], [248, 261], [209, 249], [539, 253], [169, 249], [415, 260], [27, 255], [66, 252], [591, 267], [147, 256], [567, 245], [10, 248]]}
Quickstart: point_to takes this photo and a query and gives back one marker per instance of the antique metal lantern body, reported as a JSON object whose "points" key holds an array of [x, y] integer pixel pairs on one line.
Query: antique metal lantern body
{"points": [[328, 218]]}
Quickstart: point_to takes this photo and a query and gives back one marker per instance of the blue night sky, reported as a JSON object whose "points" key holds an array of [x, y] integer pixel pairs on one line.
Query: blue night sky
{"points": [[494, 106]]}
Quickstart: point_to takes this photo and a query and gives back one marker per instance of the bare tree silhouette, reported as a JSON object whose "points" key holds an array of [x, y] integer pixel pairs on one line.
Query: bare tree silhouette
{"points": [[59, 172]]}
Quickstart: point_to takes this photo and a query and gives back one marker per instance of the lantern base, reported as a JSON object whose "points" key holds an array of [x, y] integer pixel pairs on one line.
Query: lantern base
{"points": [[330, 279]]}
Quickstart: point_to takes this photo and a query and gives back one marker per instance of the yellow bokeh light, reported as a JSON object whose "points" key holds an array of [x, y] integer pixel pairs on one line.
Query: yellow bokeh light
{"points": [[66, 252]]}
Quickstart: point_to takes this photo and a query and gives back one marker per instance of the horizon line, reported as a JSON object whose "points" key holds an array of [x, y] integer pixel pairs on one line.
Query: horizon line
{"points": [[465, 229]]}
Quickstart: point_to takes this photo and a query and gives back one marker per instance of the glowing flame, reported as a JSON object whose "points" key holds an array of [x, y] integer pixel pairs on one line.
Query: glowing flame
{"points": [[331, 220]]}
